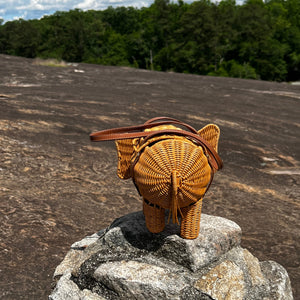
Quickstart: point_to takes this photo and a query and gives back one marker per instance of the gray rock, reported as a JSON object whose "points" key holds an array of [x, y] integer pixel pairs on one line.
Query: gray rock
{"points": [[66, 289], [138, 280], [279, 282], [126, 261]]}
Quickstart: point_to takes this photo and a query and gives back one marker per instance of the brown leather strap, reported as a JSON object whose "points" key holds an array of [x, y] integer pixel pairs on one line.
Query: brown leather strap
{"points": [[156, 119], [172, 121], [133, 131], [138, 132]]}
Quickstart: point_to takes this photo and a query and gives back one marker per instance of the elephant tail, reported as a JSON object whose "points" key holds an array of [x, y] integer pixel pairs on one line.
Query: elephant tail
{"points": [[175, 183]]}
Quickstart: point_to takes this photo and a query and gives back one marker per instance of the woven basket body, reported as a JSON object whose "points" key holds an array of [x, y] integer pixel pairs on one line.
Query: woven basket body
{"points": [[171, 172], [169, 165]]}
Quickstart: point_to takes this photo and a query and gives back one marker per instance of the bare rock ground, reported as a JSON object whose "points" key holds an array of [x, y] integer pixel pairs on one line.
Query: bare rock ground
{"points": [[57, 187]]}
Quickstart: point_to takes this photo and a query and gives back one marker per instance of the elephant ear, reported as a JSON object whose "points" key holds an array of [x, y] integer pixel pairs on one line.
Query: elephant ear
{"points": [[125, 151], [211, 134]]}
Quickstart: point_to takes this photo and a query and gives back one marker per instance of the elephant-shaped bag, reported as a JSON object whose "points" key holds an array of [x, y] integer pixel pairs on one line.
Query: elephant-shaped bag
{"points": [[172, 166]]}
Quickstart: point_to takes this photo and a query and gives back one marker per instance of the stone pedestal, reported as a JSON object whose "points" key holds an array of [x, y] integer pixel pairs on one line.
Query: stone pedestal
{"points": [[126, 261]]}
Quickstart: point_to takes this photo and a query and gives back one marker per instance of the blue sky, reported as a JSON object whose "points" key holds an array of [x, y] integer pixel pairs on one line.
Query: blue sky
{"points": [[35, 9]]}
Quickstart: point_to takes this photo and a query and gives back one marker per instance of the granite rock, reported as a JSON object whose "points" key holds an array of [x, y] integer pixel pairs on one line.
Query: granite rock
{"points": [[126, 261], [68, 290]]}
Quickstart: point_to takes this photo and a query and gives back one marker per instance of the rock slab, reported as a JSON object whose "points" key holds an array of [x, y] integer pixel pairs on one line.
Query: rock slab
{"points": [[126, 261]]}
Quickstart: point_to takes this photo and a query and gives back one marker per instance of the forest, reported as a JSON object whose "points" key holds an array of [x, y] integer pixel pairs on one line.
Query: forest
{"points": [[256, 40]]}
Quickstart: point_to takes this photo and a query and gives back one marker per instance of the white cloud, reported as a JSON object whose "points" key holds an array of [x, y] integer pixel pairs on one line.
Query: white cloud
{"points": [[23, 16], [18, 7], [88, 4], [35, 9], [98, 5], [43, 5]]}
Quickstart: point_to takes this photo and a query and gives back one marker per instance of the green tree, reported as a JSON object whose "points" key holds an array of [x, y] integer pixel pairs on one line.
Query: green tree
{"points": [[20, 38], [259, 39], [234, 69], [95, 39], [137, 49], [257, 45], [123, 20], [292, 35], [196, 38], [114, 51], [226, 39]]}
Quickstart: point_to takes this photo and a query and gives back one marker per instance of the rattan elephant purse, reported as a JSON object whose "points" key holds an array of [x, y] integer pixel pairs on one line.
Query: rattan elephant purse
{"points": [[172, 166]]}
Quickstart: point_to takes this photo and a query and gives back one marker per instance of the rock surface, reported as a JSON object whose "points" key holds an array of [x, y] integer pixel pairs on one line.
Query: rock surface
{"points": [[126, 261], [57, 187]]}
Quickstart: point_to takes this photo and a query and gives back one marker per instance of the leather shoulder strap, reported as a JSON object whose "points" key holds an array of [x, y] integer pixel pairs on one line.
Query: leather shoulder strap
{"points": [[138, 132], [156, 119], [135, 131]]}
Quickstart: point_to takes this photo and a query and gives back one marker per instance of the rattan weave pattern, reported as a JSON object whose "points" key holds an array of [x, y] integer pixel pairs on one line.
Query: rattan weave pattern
{"points": [[153, 172], [125, 151], [211, 134], [170, 168], [190, 221], [154, 217]]}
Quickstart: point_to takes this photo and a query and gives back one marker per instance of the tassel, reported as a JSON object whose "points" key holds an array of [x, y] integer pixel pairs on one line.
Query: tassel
{"points": [[175, 182]]}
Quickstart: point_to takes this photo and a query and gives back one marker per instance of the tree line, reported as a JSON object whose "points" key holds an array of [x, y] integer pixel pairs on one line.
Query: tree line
{"points": [[256, 40]]}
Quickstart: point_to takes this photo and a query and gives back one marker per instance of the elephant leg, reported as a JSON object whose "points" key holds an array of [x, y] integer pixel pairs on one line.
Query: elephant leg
{"points": [[154, 216], [190, 221]]}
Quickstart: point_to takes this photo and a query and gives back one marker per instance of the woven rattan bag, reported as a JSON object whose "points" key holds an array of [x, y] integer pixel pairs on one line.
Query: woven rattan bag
{"points": [[172, 168]]}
